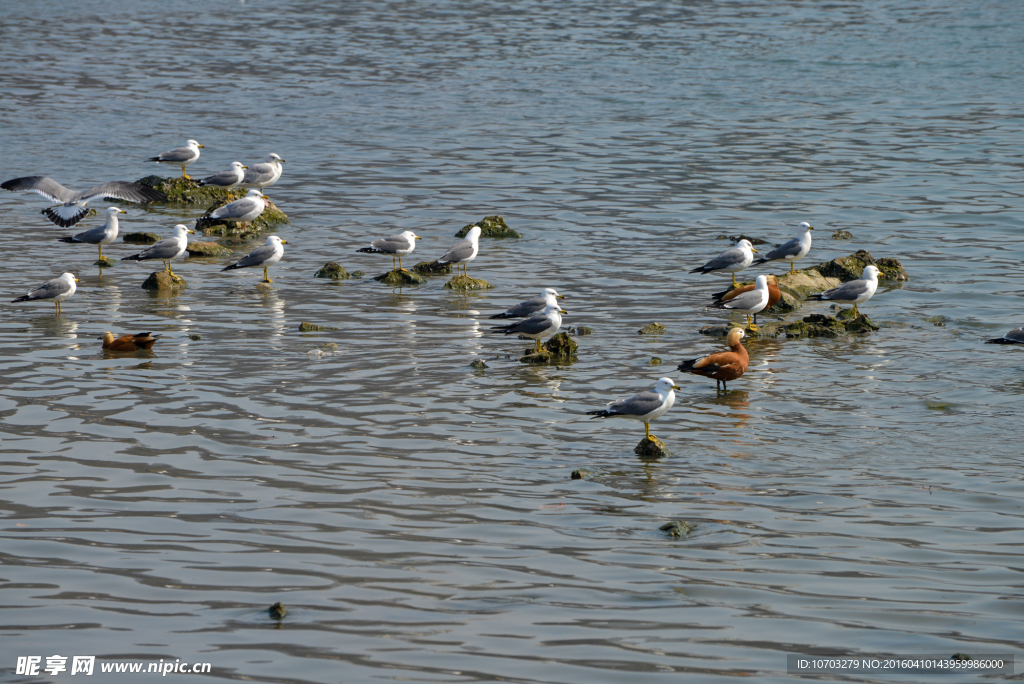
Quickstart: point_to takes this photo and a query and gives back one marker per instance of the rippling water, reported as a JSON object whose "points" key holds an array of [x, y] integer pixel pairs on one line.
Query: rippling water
{"points": [[858, 495]]}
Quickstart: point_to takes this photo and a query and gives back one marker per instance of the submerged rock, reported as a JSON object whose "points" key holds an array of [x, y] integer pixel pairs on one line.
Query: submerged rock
{"points": [[560, 349], [313, 327], [432, 268], [478, 365], [207, 249], [851, 267], [737, 238], [195, 337], [677, 528], [652, 329], [651, 448], [399, 278], [580, 331], [465, 283], [332, 270], [164, 281], [820, 325], [277, 611], [105, 262], [490, 227], [140, 238], [715, 330], [842, 235], [580, 473], [655, 361]]}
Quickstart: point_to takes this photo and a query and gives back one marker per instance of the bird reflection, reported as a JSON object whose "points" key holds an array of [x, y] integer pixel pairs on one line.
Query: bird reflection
{"points": [[55, 326]]}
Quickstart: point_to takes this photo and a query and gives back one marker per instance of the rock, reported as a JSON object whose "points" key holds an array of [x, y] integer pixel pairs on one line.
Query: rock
{"points": [[333, 271], [805, 282], [277, 611], [715, 330], [264, 287], [651, 448], [398, 278], [891, 269], [851, 267], [329, 346], [581, 330], [652, 329], [105, 262], [195, 337], [737, 238], [186, 191], [560, 349], [490, 227], [786, 303], [357, 274], [313, 327], [478, 365], [432, 268], [465, 284], [678, 528], [580, 473], [164, 282], [655, 361], [842, 235], [140, 238], [815, 325], [937, 321], [860, 324], [207, 249]]}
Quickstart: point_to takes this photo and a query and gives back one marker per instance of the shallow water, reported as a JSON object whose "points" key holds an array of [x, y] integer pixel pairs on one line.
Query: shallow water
{"points": [[856, 495]]}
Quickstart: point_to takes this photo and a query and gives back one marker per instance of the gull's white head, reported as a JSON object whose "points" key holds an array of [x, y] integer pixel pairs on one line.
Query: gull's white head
{"points": [[114, 211], [254, 193], [193, 143], [761, 283], [550, 292], [410, 236], [69, 277], [274, 240], [665, 385], [870, 272], [274, 158], [181, 230], [745, 244], [473, 234], [238, 166], [804, 225], [553, 308]]}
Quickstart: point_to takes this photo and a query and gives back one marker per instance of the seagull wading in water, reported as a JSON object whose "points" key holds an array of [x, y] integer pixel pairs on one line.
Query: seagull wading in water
{"points": [[74, 205], [791, 251], [463, 252], [394, 246], [854, 292], [166, 250], [182, 156], [731, 261], [537, 326], [267, 255], [100, 235], [645, 406], [56, 290]]}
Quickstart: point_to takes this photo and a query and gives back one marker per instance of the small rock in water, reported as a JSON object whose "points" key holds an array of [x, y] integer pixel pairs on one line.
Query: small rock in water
{"points": [[398, 278], [581, 330], [580, 473], [105, 262], [195, 337], [937, 321], [140, 238], [490, 227], [715, 330], [678, 528], [330, 346], [207, 249], [331, 270], [479, 365], [851, 267], [313, 327], [277, 611], [560, 349], [842, 235], [164, 281], [655, 361], [465, 284], [652, 329], [651, 448], [432, 268]]}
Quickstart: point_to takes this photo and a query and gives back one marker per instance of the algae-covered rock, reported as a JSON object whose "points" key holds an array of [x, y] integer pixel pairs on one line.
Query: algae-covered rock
{"points": [[207, 249], [399, 278], [329, 346], [786, 303], [851, 267], [842, 235], [332, 270], [677, 528], [652, 329], [655, 361], [162, 281], [805, 282], [195, 337], [186, 191], [860, 324], [277, 611], [560, 349], [715, 330], [465, 284], [432, 268], [580, 473], [651, 448], [581, 330], [313, 327], [105, 262], [891, 269], [490, 227], [737, 238], [140, 238], [478, 365]]}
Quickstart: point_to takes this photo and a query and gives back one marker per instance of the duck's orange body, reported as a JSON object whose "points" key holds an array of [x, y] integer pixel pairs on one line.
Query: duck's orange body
{"points": [[128, 343], [723, 366]]}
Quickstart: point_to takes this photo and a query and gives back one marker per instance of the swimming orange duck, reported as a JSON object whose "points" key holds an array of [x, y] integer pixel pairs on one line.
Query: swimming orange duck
{"points": [[723, 366], [128, 343]]}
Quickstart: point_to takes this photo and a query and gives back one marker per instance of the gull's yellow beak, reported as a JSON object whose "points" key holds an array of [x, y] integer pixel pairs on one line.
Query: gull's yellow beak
{"points": [[810, 227], [190, 231], [76, 280], [203, 146], [281, 160], [676, 387], [284, 242], [753, 250], [244, 166], [122, 211], [417, 237], [563, 311], [561, 296]]}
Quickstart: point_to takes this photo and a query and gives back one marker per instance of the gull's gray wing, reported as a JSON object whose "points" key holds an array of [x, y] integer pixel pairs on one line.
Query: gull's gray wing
{"points": [[1016, 335], [236, 209], [847, 292], [534, 325], [66, 215], [256, 257], [44, 185], [747, 300], [122, 190], [392, 244], [178, 154], [527, 308], [92, 236], [786, 249], [460, 251], [224, 179], [167, 248], [50, 289], [259, 173], [730, 257], [637, 405]]}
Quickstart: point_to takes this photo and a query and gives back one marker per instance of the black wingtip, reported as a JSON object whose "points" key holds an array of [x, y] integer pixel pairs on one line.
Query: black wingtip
{"points": [[133, 257], [1002, 340], [230, 268], [501, 315], [370, 250], [56, 218], [66, 239], [22, 298], [698, 270], [604, 413]]}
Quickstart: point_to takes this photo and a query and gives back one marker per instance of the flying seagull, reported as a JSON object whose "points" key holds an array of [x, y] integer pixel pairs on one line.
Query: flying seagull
{"points": [[72, 204]]}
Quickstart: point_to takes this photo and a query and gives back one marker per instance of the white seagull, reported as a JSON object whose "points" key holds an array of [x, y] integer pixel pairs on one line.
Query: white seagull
{"points": [[645, 406]]}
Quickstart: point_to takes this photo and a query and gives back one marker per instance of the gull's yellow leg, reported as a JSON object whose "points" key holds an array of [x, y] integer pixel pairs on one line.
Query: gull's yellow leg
{"points": [[734, 283], [647, 429], [537, 340], [792, 269], [266, 277], [101, 252]]}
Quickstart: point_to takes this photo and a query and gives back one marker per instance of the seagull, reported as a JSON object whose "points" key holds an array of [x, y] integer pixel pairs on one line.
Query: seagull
{"points": [[394, 245], [100, 235], [463, 252], [722, 366], [730, 261], [245, 209], [774, 293], [128, 343], [536, 326], [166, 250], [645, 406], [56, 290], [182, 156], [531, 306], [228, 178], [753, 302], [1015, 336], [263, 174], [791, 251], [73, 203], [267, 255], [854, 292]]}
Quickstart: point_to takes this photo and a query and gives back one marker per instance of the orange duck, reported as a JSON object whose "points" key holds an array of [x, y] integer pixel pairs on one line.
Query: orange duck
{"points": [[723, 366], [128, 343], [774, 293]]}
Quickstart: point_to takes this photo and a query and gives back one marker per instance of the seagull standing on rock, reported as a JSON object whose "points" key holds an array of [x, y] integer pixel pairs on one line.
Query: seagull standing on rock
{"points": [[854, 292], [182, 156], [752, 302], [245, 209], [267, 255], [264, 174], [537, 326], [228, 178], [463, 252], [791, 251], [731, 261], [166, 250], [531, 306], [645, 406], [394, 246]]}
